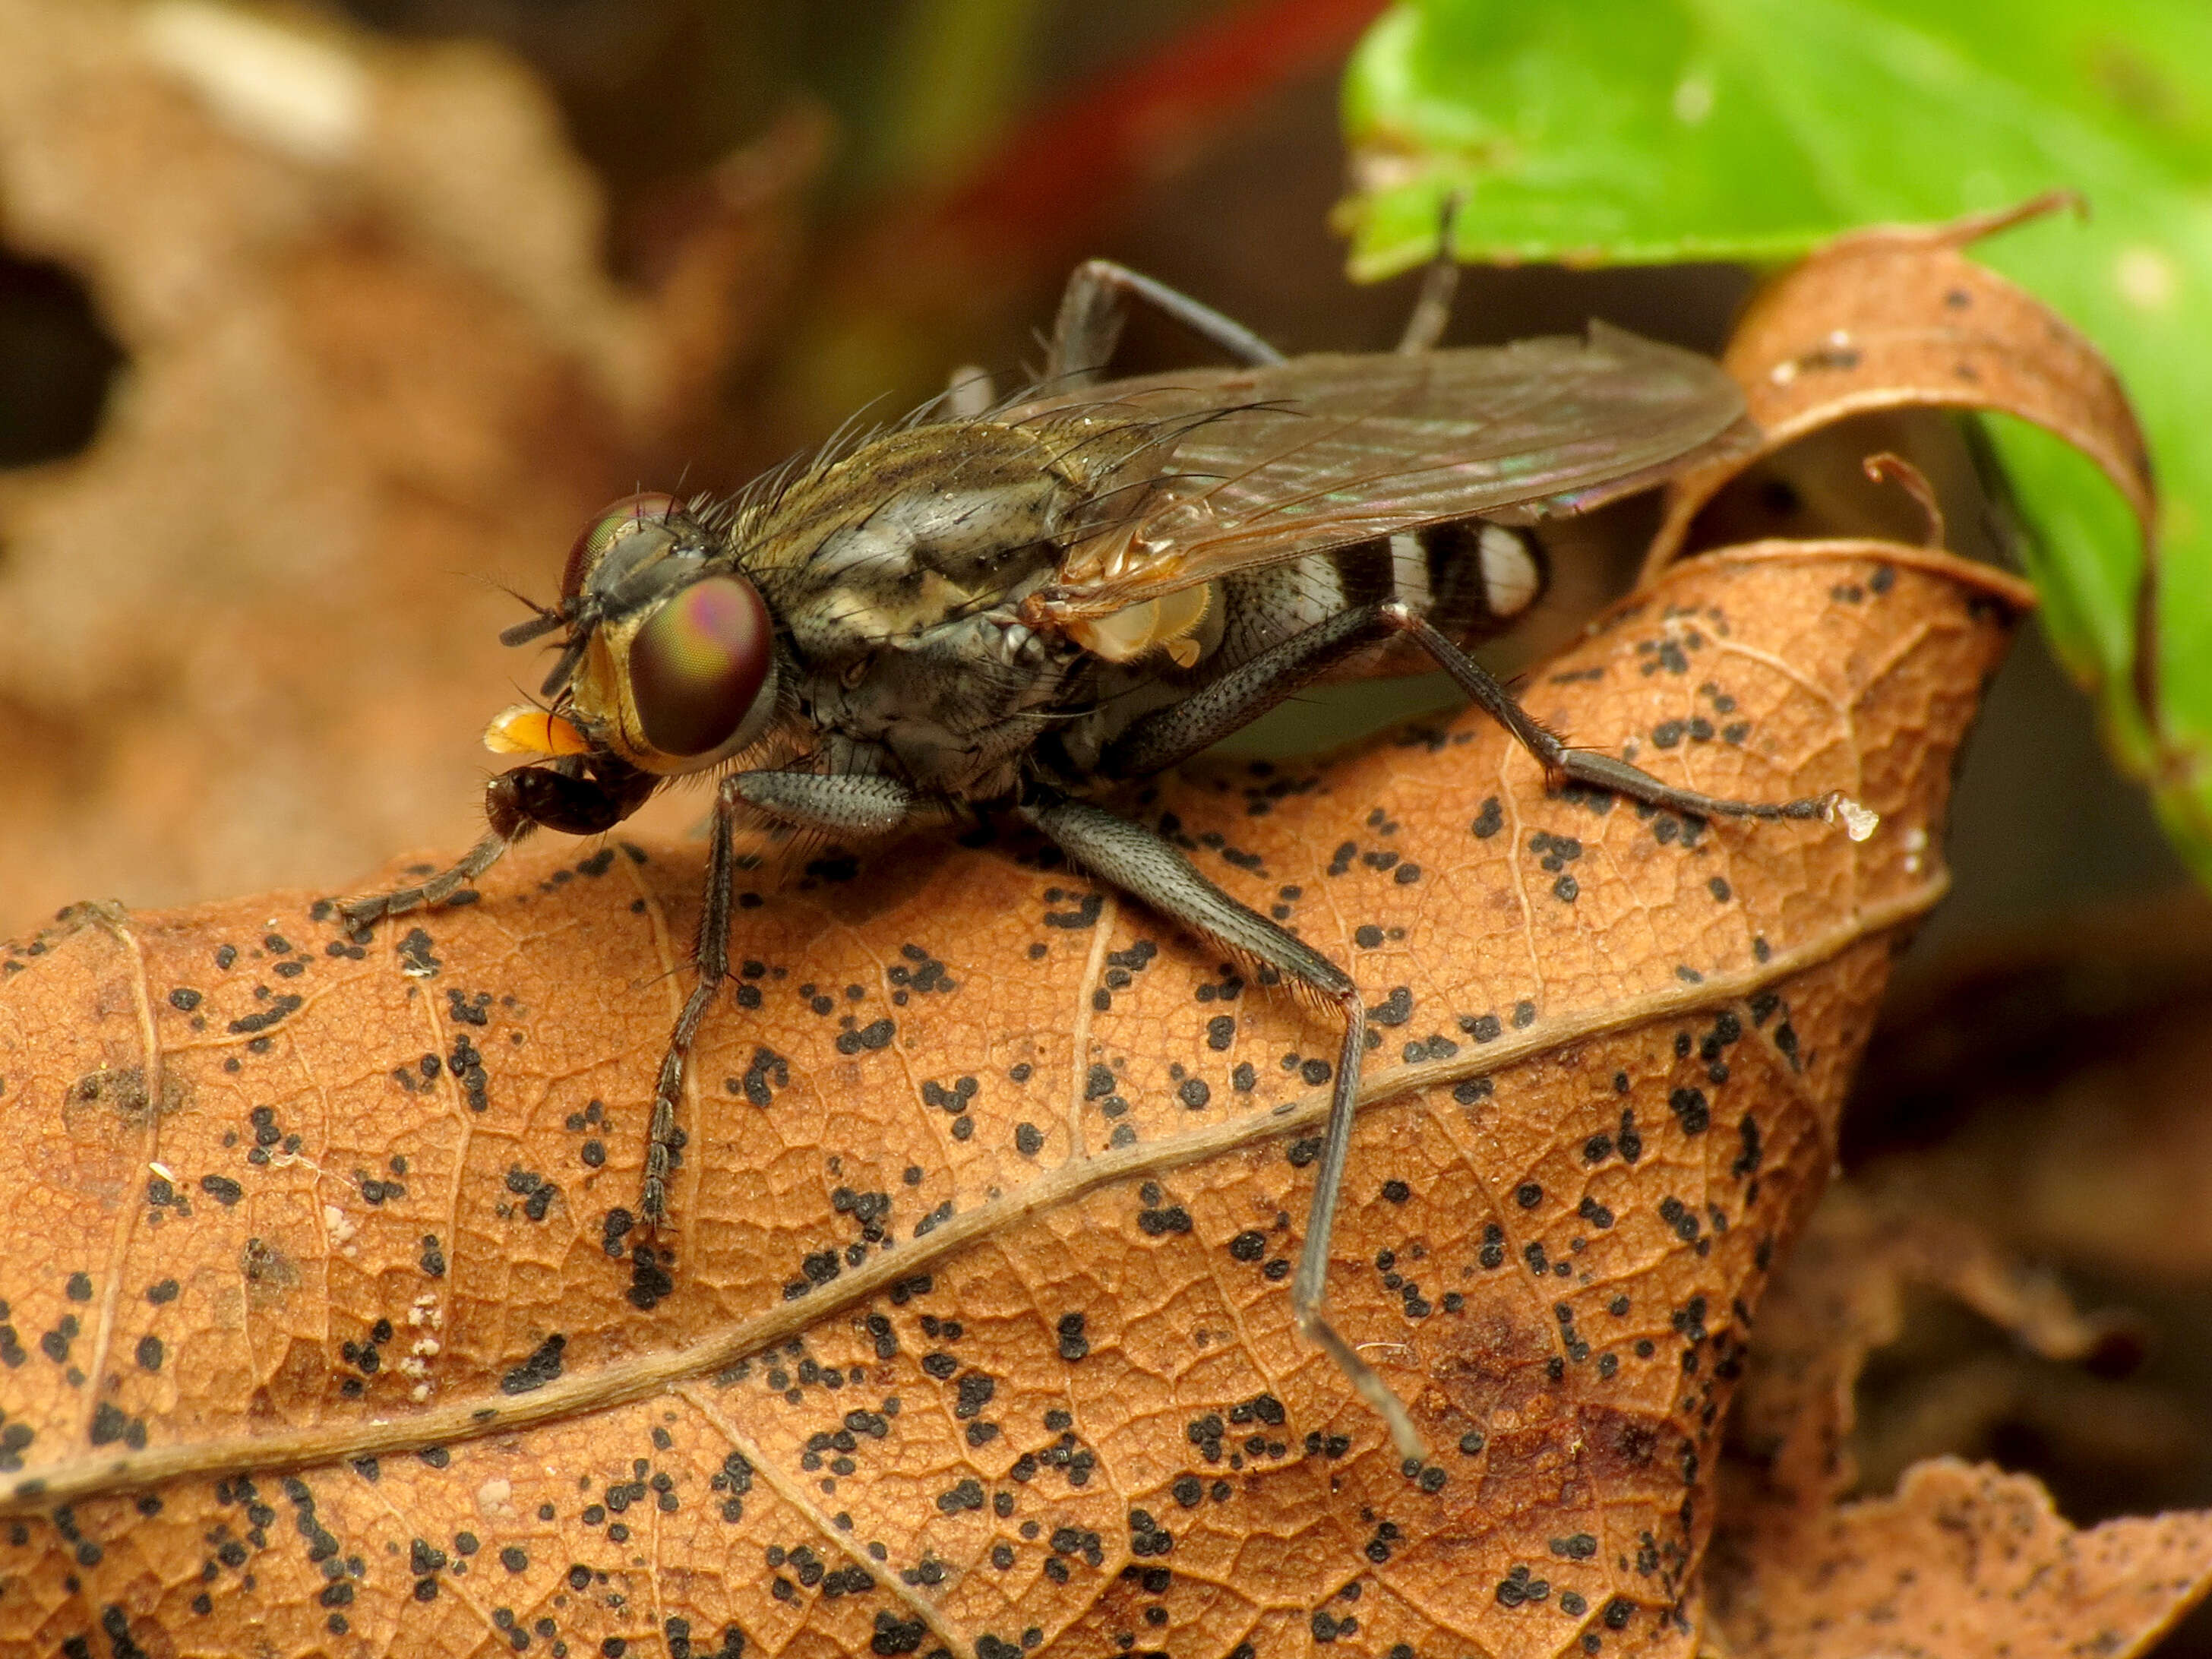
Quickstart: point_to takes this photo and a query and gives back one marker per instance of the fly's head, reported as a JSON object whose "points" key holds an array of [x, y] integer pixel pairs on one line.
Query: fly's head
{"points": [[670, 659]]}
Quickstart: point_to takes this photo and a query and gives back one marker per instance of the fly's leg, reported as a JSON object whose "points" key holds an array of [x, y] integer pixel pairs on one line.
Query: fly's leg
{"points": [[1154, 742], [1139, 862], [1439, 287], [967, 395], [848, 805], [563, 796], [1564, 765], [366, 912], [1174, 733], [1091, 310], [710, 963], [801, 800], [1144, 865]]}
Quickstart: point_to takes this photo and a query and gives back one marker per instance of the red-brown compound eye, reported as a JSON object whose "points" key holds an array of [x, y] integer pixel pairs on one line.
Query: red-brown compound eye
{"points": [[698, 663], [647, 507]]}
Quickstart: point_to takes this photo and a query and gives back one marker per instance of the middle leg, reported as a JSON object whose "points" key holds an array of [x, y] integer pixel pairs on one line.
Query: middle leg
{"points": [[1141, 863]]}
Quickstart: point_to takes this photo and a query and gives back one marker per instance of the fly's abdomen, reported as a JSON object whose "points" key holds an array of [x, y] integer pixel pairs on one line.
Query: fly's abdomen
{"points": [[1479, 579], [1472, 580]]}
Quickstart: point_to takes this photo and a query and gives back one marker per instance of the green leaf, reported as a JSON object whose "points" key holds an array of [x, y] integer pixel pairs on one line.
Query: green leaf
{"points": [[1642, 131]]}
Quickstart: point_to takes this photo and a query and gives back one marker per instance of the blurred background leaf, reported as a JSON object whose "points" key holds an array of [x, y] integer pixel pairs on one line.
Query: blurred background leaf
{"points": [[1620, 131]]}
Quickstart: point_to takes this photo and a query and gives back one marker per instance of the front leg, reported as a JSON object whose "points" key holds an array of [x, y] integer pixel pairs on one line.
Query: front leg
{"points": [[801, 800], [1141, 863], [574, 796]]}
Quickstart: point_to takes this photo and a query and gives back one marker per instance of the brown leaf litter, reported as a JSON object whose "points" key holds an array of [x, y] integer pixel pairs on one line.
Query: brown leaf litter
{"points": [[374, 358]]}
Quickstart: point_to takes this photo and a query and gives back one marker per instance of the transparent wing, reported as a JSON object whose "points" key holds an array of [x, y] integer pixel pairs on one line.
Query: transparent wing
{"points": [[1257, 465]]}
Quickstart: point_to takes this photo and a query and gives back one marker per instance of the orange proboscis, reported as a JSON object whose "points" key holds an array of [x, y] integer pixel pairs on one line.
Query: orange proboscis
{"points": [[523, 730]]}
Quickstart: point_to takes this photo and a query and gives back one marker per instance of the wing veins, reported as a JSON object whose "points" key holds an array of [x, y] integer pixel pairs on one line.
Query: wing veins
{"points": [[1327, 483], [1532, 393]]}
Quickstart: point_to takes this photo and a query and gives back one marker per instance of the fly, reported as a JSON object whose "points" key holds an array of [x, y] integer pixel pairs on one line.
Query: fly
{"points": [[1024, 602]]}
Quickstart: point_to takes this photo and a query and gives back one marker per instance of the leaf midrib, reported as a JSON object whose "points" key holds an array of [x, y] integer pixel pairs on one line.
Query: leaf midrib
{"points": [[624, 1380]]}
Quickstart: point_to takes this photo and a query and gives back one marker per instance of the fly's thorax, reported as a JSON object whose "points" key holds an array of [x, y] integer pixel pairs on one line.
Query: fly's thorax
{"points": [[911, 531], [951, 709]]}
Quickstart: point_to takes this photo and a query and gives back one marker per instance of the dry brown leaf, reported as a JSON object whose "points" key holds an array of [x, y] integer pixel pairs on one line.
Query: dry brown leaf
{"points": [[1839, 1298], [2067, 1068], [1970, 1561], [2045, 1091], [1965, 1561], [1960, 1562], [1899, 319], [323, 1317], [374, 354]]}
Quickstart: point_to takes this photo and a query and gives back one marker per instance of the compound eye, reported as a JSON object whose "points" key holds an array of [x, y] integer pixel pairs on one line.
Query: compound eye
{"points": [[648, 507], [698, 663]]}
